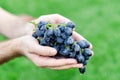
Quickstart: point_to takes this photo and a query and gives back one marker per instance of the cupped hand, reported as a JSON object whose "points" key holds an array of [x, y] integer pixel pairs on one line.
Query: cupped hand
{"points": [[41, 55]]}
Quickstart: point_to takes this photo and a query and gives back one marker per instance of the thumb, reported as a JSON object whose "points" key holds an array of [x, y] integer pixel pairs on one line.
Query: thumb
{"points": [[44, 50]]}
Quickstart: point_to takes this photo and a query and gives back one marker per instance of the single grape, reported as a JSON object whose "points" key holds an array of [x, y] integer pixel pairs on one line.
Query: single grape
{"points": [[87, 44], [59, 40], [43, 28], [64, 36], [69, 41], [43, 42], [76, 47], [62, 28], [57, 32], [34, 35], [41, 23], [64, 52], [85, 62], [81, 43], [80, 58], [70, 25], [39, 33], [68, 31], [49, 32], [87, 52], [82, 70]]}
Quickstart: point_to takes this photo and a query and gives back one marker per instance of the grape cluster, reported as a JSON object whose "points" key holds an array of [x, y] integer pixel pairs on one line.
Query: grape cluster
{"points": [[60, 37]]}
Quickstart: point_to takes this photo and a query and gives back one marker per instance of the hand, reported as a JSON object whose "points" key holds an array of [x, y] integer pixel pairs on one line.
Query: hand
{"points": [[41, 55]]}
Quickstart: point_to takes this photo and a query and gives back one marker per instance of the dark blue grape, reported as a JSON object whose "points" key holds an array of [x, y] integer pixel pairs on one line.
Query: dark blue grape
{"points": [[80, 58], [87, 52], [34, 35], [85, 62], [87, 44], [82, 70], [59, 40], [76, 47], [68, 31], [64, 36], [39, 33], [43, 42], [72, 54], [49, 32], [43, 28], [83, 44], [57, 32], [69, 41], [64, 52], [47, 39], [70, 25], [41, 23], [62, 28]]}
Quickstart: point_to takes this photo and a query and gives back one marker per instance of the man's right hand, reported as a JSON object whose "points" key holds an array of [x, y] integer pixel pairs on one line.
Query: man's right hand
{"points": [[41, 55]]}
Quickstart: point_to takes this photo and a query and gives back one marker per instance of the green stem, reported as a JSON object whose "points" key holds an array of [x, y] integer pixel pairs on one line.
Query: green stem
{"points": [[35, 25]]}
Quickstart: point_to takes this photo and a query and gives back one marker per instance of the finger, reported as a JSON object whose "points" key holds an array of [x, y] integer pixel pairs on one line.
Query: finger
{"points": [[59, 62], [43, 50], [41, 61], [53, 18], [35, 59], [78, 37], [67, 66], [60, 19]]}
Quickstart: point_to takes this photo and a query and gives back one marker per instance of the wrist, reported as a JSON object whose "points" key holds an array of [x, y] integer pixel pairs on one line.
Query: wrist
{"points": [[8, 51], [15, 47]]}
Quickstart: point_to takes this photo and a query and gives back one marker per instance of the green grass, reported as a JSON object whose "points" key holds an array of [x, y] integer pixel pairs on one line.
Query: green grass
{"points": [[96, 20]]}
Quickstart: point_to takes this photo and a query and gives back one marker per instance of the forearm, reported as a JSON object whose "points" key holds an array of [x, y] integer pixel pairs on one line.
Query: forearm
{"points": [[13, 26], [8, 51]]}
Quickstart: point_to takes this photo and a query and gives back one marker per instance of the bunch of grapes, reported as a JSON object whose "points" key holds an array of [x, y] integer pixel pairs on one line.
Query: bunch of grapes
{"points": [[60, 37]]}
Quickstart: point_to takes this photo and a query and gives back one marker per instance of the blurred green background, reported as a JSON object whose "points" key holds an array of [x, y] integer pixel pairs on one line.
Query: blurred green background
{"points": [[96, 20]]}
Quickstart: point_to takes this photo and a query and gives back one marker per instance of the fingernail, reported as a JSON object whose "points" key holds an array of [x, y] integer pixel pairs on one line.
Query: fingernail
{"points": [[53, 51], [81, 65]]}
